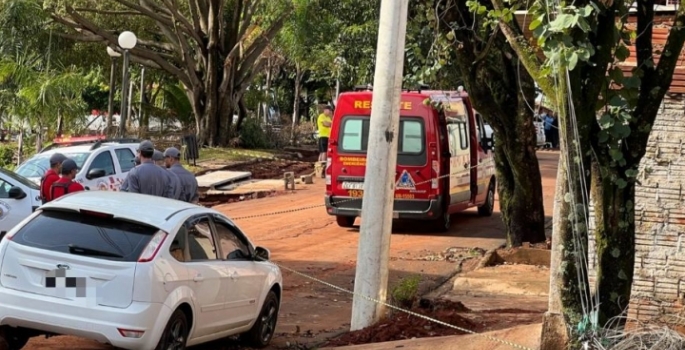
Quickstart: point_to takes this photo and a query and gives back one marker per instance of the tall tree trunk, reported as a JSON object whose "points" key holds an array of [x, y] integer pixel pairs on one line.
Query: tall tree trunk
{"points": [[267, 101], [60, 123], [503, 94], [555, 335], [614, 242], [570, 285], [20, 146], [242, 114], [519, 185], [39, 139], [296, 103]]}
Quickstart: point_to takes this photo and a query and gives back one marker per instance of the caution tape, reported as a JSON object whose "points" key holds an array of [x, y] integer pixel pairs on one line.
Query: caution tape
{"points": [[294, 210], [396, 308]]}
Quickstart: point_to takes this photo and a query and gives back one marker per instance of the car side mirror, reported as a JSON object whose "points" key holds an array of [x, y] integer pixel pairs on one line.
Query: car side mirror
{"points": [[95, 173], [16, 193], [262, 253], [487, 143]]}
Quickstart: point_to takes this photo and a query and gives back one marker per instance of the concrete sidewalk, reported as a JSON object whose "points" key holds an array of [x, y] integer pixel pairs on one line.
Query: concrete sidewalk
{"points": [[526, 336]]}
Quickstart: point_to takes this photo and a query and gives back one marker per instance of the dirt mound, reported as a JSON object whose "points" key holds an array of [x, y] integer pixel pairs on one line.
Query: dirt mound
{"points": [[273, 169], [400, 325]]}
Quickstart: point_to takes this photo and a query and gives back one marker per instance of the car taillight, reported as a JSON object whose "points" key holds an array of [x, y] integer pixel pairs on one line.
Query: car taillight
{"points": [[152, 248], [328, 171]]}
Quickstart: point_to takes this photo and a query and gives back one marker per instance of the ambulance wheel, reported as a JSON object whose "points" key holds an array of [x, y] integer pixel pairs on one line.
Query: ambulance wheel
{"points": [[489, 206], [442, 223], [345, 221]]}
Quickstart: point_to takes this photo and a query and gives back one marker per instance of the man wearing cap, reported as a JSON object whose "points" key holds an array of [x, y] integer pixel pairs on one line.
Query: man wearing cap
{"points": [[66, 183], [51, 176], [148, 178], [158, 158], [172, 158]]}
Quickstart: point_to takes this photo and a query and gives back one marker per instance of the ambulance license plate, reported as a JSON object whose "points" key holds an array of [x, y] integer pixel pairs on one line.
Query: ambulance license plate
{"points": [[352, 185]]}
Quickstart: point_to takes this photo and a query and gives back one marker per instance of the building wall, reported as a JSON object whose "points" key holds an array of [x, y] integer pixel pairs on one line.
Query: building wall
{"points": [[659, 279]]}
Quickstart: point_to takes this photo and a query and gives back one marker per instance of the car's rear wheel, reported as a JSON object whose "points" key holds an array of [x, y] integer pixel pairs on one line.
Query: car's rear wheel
{"points": [[12, 339], [263, 329], [175, 333], [345, 221], [489, 206], [442, 223]]}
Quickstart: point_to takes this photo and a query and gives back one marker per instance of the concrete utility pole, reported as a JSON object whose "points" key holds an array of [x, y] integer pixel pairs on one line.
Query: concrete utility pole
{"points": [[371, 279]]}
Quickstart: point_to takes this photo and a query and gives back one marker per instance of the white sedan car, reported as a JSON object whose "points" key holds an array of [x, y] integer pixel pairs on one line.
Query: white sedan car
{"points": [[134, 271]]}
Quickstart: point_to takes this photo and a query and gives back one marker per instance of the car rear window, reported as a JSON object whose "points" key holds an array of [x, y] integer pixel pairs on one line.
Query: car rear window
{"points": [[86, 235], [354, 138]]}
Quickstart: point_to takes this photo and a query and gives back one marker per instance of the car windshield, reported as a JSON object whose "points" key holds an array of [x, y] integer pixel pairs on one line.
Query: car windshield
{"points": [[39, 164], [24, 181], [93, 236]]}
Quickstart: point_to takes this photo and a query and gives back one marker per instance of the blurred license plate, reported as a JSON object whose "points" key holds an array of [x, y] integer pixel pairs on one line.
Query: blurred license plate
{"points": [[353, 185]]}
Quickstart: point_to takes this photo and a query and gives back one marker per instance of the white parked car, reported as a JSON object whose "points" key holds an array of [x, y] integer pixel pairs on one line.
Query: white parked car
{"points": [[102, 165], [135, 271], [19, 197]]}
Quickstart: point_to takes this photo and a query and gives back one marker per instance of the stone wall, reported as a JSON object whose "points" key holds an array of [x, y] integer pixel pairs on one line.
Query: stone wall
{"points": [[659, 279]]}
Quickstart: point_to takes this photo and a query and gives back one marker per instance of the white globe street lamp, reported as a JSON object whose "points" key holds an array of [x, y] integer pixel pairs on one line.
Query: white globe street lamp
{"points": [[112, 52], [127, 41]]}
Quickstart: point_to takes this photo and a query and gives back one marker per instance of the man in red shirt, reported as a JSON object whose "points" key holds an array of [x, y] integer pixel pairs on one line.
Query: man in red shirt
{"points": [[66, 183], [51, 176]]}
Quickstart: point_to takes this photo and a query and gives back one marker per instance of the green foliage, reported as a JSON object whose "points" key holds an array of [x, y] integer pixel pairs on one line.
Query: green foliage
{"points": [[7, 156], [252, 136], [429, 53], [405, 292]]}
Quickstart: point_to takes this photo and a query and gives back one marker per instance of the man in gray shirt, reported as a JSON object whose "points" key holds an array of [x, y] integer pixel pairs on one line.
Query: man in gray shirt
{"points": [[148, 178], [124, 186], [172, 158], [158, 158]]}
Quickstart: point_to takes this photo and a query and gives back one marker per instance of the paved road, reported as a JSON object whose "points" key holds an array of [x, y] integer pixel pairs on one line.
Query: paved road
{"points": [[311, 242]]}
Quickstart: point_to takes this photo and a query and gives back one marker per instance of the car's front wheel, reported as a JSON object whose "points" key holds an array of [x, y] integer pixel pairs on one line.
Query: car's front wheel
{"points": [[175, 333], [263, 329]]}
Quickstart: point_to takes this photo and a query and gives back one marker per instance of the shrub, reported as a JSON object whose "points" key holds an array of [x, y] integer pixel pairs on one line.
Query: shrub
{"points": [[252, 135], [406, 291]]}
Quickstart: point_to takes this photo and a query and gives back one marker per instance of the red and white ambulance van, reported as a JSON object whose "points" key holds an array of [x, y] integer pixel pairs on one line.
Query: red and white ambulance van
{"points": [[445, 162]]}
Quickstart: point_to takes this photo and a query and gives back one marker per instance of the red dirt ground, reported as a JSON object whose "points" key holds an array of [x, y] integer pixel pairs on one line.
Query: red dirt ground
{"points": [[309, 241], [400, 325]]}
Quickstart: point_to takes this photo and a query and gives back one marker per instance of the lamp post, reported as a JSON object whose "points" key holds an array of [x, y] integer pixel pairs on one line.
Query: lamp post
{"points": [[127, 41], [113, 54], [339, 62]]}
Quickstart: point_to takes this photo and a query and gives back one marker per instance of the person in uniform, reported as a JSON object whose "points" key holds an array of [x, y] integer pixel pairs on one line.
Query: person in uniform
{"points": [[148, 178], [51, 176], [124, 185], [158, 158], [172, 158], [66, 183]]}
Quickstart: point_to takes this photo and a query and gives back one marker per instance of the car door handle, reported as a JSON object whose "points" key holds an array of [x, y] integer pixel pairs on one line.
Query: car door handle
{"points": [[198, 278]]}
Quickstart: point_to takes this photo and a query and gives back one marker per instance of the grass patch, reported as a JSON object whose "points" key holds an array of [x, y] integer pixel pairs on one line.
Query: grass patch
{"points": [[405, 292]]}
